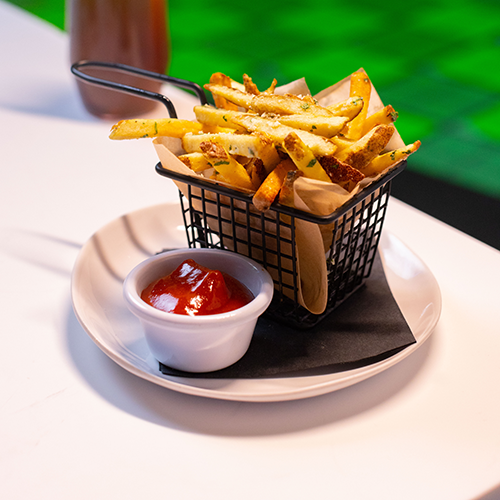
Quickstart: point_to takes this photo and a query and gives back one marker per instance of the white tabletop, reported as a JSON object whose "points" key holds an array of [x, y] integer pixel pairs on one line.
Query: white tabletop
{"points": [[73, 424]]}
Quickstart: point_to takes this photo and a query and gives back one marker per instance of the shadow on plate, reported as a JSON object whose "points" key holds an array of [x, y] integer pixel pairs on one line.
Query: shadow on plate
{"points": [[168, 408]]}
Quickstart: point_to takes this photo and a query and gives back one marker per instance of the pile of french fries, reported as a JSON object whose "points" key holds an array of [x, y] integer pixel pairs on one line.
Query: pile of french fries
{"points": [[262, 142]]}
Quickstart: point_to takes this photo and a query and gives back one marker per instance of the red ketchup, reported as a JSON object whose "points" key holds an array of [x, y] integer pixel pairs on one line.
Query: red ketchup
{"points": [[195, 290]]}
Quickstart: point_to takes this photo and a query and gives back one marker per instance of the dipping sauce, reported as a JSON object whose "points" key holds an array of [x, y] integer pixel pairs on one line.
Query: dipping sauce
{"points": [[196, 290]]}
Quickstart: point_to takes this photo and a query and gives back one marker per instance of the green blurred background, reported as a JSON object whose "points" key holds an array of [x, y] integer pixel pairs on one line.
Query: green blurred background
{"points": [[435, 61]]}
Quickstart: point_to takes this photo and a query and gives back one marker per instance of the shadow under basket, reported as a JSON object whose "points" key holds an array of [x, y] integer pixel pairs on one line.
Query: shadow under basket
{"points": [[216, 216]]}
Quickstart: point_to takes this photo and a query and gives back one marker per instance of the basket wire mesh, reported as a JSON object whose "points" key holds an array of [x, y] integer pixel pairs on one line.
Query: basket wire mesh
{"points": [[218, 217]]}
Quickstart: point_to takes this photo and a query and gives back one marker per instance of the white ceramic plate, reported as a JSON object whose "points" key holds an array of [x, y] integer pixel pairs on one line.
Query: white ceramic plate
{"points": [[106, 259]]}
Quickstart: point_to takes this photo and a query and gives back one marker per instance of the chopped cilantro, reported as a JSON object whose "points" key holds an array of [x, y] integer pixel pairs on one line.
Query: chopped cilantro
{"points": [[306, 105], [156, 128], [224, 118], [393, 155], [312, 163], [221, 162]]}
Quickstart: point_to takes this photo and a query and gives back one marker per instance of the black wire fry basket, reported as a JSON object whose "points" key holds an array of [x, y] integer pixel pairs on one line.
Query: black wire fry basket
{"points": [[217, 216]]}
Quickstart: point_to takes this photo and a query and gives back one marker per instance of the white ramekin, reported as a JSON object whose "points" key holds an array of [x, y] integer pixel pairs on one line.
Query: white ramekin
{"points": [[199, 343]]}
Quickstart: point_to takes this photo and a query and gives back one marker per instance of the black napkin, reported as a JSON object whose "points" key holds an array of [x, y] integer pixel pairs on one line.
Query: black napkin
{"points": [[366, 328]]}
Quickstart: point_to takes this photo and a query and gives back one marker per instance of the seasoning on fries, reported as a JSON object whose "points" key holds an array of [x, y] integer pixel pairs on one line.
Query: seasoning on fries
{"points": [[262, 142]]}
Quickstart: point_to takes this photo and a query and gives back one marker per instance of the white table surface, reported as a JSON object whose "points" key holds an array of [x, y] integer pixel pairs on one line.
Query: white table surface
{"points": [[74, 425]]}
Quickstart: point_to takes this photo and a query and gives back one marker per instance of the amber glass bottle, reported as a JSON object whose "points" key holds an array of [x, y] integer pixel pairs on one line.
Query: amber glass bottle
{"points": [[133, 32]]}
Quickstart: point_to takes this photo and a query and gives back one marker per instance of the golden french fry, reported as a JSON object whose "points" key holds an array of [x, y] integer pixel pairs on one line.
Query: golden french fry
{"points": [[267, 150], [197, 162], [226, 167], [286, 192], [363, 151], [237, 97], [326, 126], [220, 101], [139, 129], [249, 145], [341, 173], [386, 160], [236, 144], [269, 103], [304, 158], [349, 108], [286, 105], [277, 132], [341, 142], [360, 86], [216, 117], [271, 88], [271, 186], [384, 116], [250, 86], [256, 170]]}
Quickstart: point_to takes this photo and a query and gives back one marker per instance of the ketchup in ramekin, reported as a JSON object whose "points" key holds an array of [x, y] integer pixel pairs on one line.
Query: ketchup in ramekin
{"points": [[196, 290]]}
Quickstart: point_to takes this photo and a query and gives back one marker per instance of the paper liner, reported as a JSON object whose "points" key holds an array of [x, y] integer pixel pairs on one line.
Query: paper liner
{"points": [[320, 198]]}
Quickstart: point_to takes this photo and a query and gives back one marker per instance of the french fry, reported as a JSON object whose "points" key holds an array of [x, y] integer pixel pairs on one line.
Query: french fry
{"points": [[278, 132], [386, 160], [216, 117], [384, 116], [272, 87], [226, 167], [363, 151], [286, 196], [325, 126], [269, 103], [139, 129], [304, 158], [267, 151], [226, 81], [236, 144], [237, 97], [286, 105], [250, 86], [197, 162], [349, 108], [341, 142], [255, 145], [271, 186], [256, 170], [360, 86], [341, 173]]}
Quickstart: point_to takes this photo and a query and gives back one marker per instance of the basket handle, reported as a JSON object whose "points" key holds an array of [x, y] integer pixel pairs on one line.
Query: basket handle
{"points": [[77, 67]]}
